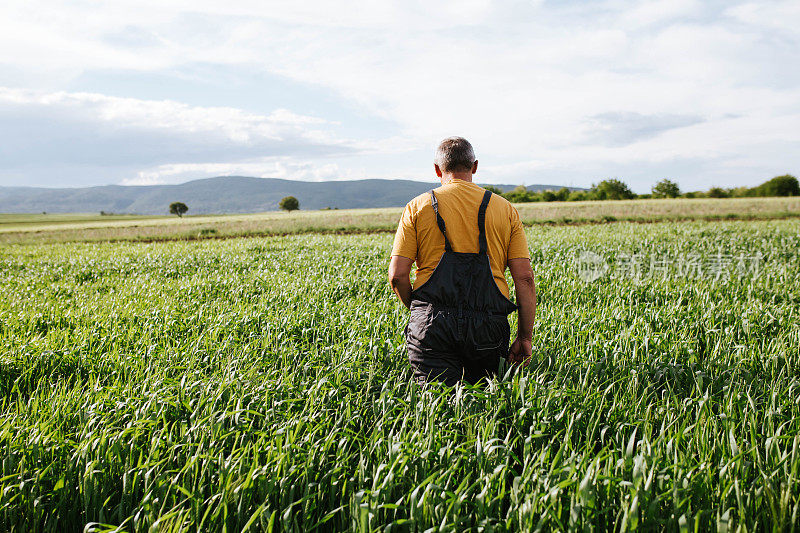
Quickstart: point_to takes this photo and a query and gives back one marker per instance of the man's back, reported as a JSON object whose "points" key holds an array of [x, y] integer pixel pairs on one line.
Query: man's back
{"points": [[419, 238], [462, 238]]}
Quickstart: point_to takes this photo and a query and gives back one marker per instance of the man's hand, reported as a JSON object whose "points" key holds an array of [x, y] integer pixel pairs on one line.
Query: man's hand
{"points": [[520, 352], [399, 278]]}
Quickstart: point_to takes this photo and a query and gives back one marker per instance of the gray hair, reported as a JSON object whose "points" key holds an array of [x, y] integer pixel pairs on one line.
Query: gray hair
{"points": [[453, 154]]}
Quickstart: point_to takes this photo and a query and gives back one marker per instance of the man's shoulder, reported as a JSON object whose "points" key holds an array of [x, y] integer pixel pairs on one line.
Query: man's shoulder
{"points": [[500, 200], [501, 204], [418, 202]]}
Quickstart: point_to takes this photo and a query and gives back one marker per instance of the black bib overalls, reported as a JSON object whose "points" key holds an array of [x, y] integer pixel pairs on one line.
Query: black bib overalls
{"points": [[459, 318]]}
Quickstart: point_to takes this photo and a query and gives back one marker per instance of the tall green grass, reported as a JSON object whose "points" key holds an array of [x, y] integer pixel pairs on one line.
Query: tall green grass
{"points": [[261, 384]]}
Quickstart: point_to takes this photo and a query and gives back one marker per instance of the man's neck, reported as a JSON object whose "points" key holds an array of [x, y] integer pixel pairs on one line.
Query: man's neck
{"points": [[449, 177]]}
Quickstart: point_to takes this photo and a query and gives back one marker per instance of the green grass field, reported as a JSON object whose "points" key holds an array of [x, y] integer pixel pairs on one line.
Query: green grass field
{"points": [[261, 384], [22, 220], [16, 229]]}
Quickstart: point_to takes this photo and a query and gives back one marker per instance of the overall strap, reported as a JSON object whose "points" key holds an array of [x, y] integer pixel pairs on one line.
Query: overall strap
{"points": [[482, 222], [440, 222]]}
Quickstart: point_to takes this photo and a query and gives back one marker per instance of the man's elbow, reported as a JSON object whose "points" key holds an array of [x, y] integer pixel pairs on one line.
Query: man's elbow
{"points": [[397, 278], [399, 271], [525, 279]]}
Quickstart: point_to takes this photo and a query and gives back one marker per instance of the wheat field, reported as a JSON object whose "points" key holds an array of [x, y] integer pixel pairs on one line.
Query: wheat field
{"points": [[261, 384]]}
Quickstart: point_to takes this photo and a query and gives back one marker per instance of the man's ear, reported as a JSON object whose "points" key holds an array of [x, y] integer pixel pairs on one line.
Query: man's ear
{"points": [[438, 170], [475, 166]]}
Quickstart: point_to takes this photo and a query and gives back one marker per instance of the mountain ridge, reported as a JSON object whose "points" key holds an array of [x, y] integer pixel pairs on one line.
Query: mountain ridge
{"points": [[220, 195]]}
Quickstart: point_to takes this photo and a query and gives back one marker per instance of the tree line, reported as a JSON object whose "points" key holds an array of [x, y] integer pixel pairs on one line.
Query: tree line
{"points": [[614, 189], [610, 189]]}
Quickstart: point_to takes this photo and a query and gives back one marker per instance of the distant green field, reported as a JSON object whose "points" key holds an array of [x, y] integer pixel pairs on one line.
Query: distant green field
{"points": [[261, 384], [66, 228], [8, 220]]}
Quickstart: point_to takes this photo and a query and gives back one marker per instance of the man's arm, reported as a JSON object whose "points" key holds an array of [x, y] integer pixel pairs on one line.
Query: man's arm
{"points": [[399, 278], [525, 287]]}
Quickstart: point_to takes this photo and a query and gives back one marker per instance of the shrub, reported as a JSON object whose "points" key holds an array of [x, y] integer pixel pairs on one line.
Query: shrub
{"points": [[562, 195], [666, 189], [612, 189], [577, 196], [785, 185], [742, 192], [521, 194], [289, 203]]}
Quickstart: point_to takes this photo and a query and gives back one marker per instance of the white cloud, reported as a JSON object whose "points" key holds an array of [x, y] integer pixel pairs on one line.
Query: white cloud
{"points": [[571, 90], [659, 11], [62, 130], [235, 124], [782, 15], [624, 128], [271, 167]]}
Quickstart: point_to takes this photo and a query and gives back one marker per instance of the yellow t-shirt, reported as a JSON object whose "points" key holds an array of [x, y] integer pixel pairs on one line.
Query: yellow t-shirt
{"points": [[419, 239]]}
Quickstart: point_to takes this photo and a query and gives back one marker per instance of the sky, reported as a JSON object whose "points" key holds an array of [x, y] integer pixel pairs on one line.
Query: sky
{"points": [[568, 92]]}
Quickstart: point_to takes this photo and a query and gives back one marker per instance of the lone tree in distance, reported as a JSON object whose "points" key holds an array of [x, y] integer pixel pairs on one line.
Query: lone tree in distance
{"points": [[666, 189], [178, 208], [289, 203]]}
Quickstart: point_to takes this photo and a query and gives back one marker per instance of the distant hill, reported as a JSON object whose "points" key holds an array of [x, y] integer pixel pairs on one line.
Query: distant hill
{"points": [[224, 194]]}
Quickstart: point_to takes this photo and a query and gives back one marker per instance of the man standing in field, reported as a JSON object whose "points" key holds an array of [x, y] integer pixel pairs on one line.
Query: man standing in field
{"points": [[462, 238]]}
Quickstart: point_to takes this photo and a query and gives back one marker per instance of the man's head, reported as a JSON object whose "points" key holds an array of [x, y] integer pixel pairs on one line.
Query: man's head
{"points": [[456, 159]]}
